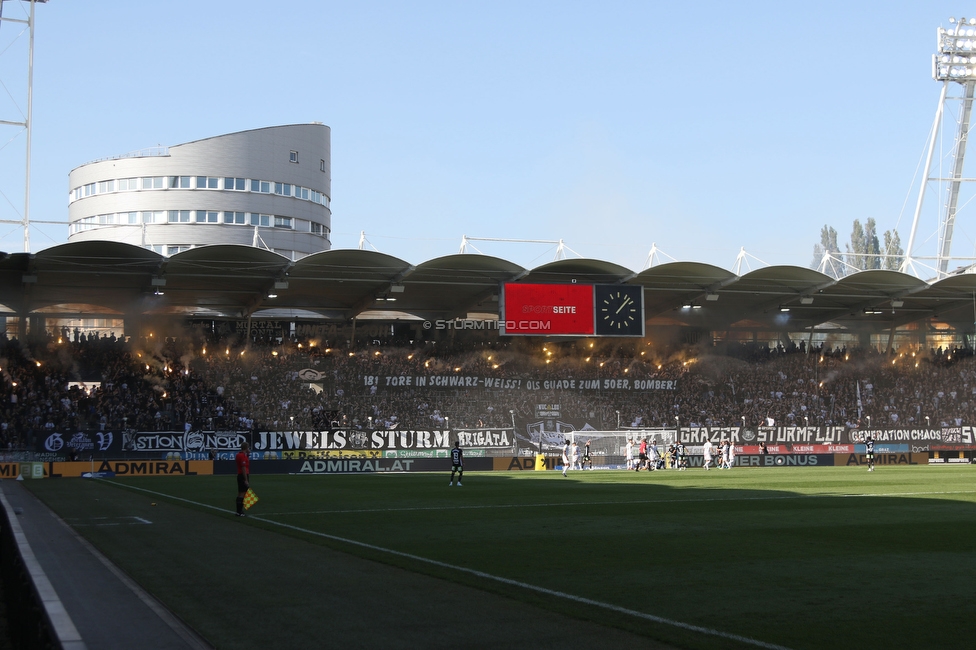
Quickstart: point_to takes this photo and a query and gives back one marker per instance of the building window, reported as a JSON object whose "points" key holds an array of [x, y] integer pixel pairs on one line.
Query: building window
{"points": [[282, 222], [235, 218], [235, 184], [152, 183], [283, 188], [322, 165], [173, 250], [206, 216], [293, 156], [261, 186], [179, 216], [128, 184], [154, 216], [179, 182], [106, 186], [131, 218], [260, 219], [208, 183], [315, 228]]}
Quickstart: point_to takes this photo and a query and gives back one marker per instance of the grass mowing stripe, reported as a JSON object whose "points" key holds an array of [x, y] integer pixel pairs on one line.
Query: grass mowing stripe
{"points": [[486, 576], [619, 503]]}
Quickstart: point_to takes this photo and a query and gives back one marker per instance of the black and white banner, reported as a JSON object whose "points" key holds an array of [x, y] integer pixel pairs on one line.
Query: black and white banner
{"points": [[457, 380]]}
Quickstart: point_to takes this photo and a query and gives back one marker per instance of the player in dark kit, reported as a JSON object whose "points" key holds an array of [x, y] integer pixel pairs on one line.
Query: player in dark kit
{"points": [[457, 463], [243, 476], [586, 456], [869, 452]]}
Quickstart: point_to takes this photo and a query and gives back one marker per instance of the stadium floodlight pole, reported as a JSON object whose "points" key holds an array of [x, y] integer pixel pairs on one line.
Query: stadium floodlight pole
{"points": [[27, 122], [954, 62]]}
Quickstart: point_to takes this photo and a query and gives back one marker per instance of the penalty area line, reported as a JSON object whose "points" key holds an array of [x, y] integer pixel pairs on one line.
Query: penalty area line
{"points": [[488, 576]]}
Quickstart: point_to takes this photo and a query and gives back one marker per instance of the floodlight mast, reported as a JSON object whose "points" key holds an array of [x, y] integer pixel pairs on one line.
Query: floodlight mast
{"points": [[955, 62], [27, 122]]}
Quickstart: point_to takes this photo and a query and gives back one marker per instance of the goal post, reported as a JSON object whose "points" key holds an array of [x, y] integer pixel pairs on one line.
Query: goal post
{"points": [[614, 443]]}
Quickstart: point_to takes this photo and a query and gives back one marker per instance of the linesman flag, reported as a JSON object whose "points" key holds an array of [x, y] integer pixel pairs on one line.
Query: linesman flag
{"points": [[249, 499]]}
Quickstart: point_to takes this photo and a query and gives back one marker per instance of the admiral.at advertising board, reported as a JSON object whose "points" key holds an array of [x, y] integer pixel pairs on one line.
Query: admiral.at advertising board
{"points": [[352, 466]]}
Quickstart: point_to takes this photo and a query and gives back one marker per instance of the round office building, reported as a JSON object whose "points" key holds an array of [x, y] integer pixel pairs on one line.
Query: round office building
{"points": [[267, 187]]}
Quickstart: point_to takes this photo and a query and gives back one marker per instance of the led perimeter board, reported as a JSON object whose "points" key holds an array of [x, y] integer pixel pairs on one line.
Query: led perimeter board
{"points": [[571, 310]]}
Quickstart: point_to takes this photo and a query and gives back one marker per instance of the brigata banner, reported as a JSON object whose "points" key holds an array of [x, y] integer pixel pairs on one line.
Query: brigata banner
{"points": [[567, 383]]}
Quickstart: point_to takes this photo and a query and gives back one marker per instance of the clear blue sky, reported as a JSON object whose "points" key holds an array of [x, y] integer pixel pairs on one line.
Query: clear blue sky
{"points": [[703, 127]]}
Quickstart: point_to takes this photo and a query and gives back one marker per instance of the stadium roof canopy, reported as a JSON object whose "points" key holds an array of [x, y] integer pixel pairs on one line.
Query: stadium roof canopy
{"points": [[100, 278]]}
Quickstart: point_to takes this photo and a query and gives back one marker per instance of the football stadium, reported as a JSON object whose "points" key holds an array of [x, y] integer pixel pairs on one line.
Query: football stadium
{"points": [[253, 440]]}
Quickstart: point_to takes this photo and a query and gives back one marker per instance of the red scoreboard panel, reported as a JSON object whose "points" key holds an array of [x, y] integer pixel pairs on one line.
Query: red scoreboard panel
{"points": [[547, 309]]}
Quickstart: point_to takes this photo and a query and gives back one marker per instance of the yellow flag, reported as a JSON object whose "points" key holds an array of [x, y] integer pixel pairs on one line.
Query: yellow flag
{"points": [[250, 499]]}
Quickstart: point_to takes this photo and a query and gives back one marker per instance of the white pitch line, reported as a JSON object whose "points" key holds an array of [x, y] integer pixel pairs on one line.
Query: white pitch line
{"points": [[494, 578]]}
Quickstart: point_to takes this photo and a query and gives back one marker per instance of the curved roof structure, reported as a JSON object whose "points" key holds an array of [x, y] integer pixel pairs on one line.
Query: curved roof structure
{"points": [[95, 278]]}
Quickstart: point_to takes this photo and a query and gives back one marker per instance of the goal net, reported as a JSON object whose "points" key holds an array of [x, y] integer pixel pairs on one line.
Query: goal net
{"points": [[614, 443]]}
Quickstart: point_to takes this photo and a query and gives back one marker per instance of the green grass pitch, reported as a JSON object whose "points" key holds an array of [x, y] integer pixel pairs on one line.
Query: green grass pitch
{"points": [[793, 557]]}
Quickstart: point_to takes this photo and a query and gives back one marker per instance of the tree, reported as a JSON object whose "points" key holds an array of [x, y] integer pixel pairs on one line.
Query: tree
{"points": [[894, 255], [858, 247], [828, 244], [862, 253], [872, 247]]}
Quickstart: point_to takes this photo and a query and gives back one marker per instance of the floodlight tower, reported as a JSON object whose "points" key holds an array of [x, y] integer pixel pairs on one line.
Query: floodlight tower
{"points": [[955, 66], [24, 122]]}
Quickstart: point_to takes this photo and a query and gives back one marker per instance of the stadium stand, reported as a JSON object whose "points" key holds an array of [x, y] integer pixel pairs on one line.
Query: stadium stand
{"points": [[188, 383]]}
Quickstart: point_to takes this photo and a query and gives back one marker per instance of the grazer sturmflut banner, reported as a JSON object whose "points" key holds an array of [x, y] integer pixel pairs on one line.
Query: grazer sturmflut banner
{"points": [[961, 435]]}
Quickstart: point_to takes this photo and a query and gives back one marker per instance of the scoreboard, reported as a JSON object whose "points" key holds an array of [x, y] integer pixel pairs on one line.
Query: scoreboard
{"points": [[572, 310]]}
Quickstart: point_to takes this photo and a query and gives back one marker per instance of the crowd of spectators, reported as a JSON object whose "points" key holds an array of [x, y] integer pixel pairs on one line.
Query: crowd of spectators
{"points": [[182, 383]]}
